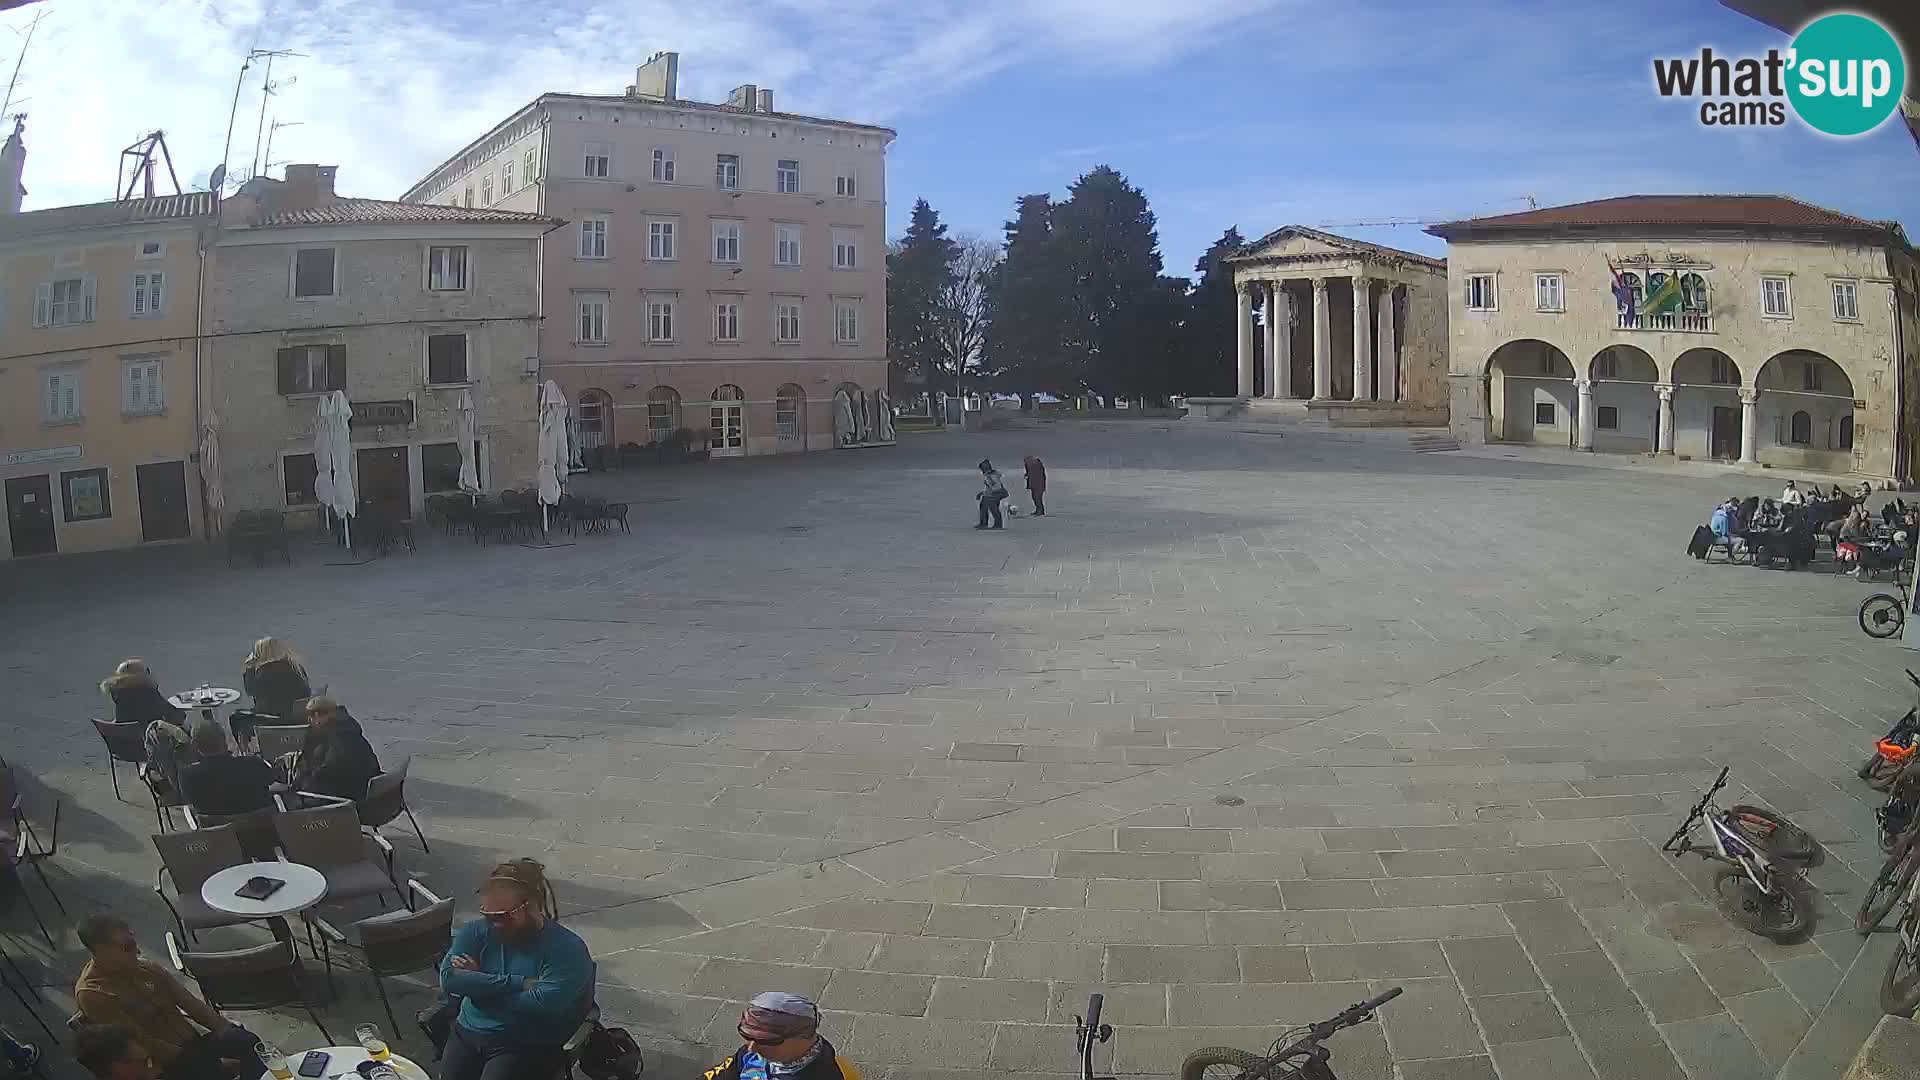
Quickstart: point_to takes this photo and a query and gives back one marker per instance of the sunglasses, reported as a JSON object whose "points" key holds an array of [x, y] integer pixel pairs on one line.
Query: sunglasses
{"points": [[754, 1040], [498, 917]]}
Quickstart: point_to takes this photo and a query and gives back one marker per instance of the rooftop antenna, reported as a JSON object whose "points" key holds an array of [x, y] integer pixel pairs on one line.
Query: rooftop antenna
{"points": [[267, 88], [226, 148], [266, 160], [142, 154], [6, 103]]}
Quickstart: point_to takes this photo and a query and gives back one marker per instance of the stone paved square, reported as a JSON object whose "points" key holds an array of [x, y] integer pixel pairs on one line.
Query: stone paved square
{"points": [[1249, 726]]}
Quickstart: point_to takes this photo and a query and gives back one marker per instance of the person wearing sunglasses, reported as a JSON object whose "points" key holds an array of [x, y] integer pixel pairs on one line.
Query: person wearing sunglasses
{"points": [[523, 980], [780, 1040], [121, 989]]}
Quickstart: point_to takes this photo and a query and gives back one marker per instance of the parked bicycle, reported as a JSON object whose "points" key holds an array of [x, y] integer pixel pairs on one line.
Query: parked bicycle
{"points": [[1897, 745], [1295, 1055], [1757, 892], [1893, 882], [1883, 615], [1900, 986]]}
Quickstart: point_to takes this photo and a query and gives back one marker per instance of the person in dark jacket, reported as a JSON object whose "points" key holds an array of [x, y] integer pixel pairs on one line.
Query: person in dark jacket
{"points": [[221, 783], [782, 1042], [335, 758], [992, 493], [275, 679], [1037, 484], [137, 698]]}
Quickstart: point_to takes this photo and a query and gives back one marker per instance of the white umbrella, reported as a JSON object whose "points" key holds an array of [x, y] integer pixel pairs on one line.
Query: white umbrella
{"points": [[210, 467], [340, 414], [553, 447], [464, 432], [323, 451]]}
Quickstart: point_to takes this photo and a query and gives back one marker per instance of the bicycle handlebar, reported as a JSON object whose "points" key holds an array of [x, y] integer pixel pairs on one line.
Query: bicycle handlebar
{"points": [[1699, 810], [1351, 1015]]}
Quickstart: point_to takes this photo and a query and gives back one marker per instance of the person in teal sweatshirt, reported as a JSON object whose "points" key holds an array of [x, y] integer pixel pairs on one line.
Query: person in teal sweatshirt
{"points": [[523, 979]]}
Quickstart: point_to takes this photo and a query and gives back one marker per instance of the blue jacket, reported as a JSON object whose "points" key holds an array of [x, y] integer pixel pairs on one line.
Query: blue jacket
{"points": [[497, 1000], [1721, 524]]}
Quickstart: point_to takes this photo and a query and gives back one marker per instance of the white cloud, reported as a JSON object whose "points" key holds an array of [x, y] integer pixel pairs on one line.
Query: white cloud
{"points": [[387, 90]]}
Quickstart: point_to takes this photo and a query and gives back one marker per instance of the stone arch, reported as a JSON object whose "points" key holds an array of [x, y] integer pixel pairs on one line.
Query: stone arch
{"points": [[593, 419], [1530, 394], [1626, 410], [790, 416], [1705, 366], [663, 413], [1804, 411], [1708, 416]]}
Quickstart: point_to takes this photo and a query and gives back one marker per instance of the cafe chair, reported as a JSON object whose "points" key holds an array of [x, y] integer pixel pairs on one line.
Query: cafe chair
{"points": [[395, 943], [387, 799], [13, 886], [254, 829], [27, 851], [249, 980], [125, 742], [188, 859], [328, 838], [275, 741]]}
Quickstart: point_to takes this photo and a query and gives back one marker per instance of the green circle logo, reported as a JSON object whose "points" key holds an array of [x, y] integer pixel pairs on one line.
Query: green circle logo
{"points": [[1845, 74]]}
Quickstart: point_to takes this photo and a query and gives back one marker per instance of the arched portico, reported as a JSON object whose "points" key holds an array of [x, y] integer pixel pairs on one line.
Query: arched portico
{"points": [[1530, 394], [1711, 410], [1804, 412], [1621, 408]]}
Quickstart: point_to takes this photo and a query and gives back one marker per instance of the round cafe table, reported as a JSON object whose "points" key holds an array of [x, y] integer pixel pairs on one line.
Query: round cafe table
{"points": [[204, 698], [304, 888], [342, 1060]]}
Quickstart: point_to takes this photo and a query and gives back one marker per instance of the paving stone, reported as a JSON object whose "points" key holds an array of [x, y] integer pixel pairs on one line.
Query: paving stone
{"points": [[1360, 839], [1491, 965], [989, 999], [1254, 866], [878, 992], [1773, 1021], [1585, 982], [1382, 960], [1338, 895], [1674, 995], [1623, 1045], [1464, 889], [1261, 1003], [1172, 963], [1431, 1020], [1547, 927], [1044, 960], [972, 921], [847, 949], [1274, 963], [1810, 979], [883, 916], [931, 956], [1281, 927], [1111, 864], [1210, 840], [1713, 1048], [1508, 1018], [878, 1040], [1026, 891], [1340, 864], [1219, 896], [1127, 1005], [1732, 970], [1461, 1068], [1557, 1059], [738, 980], [1415, 924], [1117, 894], [1155, 927]]}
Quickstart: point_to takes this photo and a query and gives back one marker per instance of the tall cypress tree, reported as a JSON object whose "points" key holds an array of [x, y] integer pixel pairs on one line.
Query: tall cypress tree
{"points": [[1109, 250], [1023, 302], [1210, 366], [919, 277]]}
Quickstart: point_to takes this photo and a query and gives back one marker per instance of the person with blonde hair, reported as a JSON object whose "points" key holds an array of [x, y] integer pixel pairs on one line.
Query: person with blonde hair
{"points": [[275, 678], [335, 757], [523, 980], [137, 698]]}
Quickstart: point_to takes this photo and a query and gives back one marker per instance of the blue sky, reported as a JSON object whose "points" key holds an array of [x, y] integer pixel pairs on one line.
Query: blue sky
{"points": [[1250, 112]]}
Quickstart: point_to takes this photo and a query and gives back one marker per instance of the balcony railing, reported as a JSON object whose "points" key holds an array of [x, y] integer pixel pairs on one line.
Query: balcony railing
{"points": [[1683, 322]]}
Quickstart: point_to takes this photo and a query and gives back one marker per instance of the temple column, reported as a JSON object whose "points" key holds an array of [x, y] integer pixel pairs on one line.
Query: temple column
{"points": [[1244, 308], [1280, 341], [1362, 338], [1749, 425], [1665, 429], [1322, 342], [1584, 417], [1386, 366]]}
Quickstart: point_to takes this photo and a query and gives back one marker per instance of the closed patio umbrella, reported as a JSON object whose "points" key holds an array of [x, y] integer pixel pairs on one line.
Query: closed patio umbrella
{"points": [[553, 447], [210, 468], [323, 451], [464, 431], [345, 501]]}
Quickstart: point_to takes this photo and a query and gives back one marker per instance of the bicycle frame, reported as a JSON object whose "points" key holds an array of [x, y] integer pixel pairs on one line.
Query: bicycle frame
{"points": [[1728, 845]]}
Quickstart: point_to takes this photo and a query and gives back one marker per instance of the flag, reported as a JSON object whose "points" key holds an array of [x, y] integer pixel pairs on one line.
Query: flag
{"points": [[1665, 298], [1622, 292]]}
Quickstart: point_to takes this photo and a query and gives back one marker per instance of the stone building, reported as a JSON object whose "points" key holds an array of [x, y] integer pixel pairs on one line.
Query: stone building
{"points": [[1355, 332], [726, 266], [403, 307], [1755, 328]]}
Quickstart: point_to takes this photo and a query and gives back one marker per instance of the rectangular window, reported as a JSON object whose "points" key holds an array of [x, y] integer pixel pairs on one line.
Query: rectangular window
{"points": [[85, 494], [660, 240], [663, 164], [846, 249], [312, 369], [1775, 301], [151, 249], [1607, 367], [147, 295], [486, 190], [726, 321], [786, 321], [1480, 293], [1810, 377], [846, 322], [440, 466], [531, 161], [593, 318], [726, 172], [593, 238], [726, 241], [1846, 300], [506, 177], [63, 301], [844, 186], [1549, 292], [142, 393], [299, 473], [62, 397], [313, 273], [446, 359], [786, 177], [660, 320], [1723, 372], [1607, 418], [447, 268], [1543, 413], [469, 196], [599, 161], [786, 245]]}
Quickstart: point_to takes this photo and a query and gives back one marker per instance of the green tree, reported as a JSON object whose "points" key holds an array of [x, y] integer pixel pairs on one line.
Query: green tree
{"points": [[920, 276], [1209, 365], [1109, 250], [1022, 347]]}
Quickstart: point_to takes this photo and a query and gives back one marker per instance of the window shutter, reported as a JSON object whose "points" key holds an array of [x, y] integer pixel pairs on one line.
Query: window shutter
{"points": [[87, 294], [156, 282], [42, 301], [135, 389], [336, 367], [285, 360]]}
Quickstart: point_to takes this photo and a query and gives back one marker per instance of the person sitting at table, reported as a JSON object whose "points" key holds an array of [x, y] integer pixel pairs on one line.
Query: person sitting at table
{"points": [[137, 698], [121, 988], [523, 981], [110, 1053], [1769, 517], [1792, 495], [780, 1037], [221, 782], [1724, 522], [335, 757], [1857, 528], [275, 679]]}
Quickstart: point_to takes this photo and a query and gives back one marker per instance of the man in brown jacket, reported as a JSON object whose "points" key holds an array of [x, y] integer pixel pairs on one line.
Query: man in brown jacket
{"points": [[120, 988]]}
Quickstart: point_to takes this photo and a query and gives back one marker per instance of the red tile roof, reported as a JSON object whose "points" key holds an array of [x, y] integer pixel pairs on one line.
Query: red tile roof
{"points": [[1695, 211], [106, 214], [387, 212]]}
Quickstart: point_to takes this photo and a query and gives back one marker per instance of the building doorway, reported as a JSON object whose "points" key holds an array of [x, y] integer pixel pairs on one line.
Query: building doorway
{"points": [[1726, 433], [30, 515], [163, 501], [728, 422], [386, 487]]}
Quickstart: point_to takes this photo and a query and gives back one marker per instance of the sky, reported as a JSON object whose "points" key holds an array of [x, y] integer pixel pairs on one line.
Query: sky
{"points": [[1255, 113]]}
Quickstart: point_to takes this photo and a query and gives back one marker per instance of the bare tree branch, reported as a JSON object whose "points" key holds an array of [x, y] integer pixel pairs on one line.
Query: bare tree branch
{"points": [[963, 301]]}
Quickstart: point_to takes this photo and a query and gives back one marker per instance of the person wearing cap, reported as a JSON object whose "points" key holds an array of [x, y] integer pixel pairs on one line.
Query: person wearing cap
{"points": [[781, 1040]]}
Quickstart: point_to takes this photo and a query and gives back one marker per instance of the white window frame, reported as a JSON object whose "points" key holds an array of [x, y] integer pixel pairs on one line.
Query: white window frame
{"points": [[846, 321], [726, 172], [486, 190], [531, 160], [846, 249], [661, 236], [147, 294], [597, 161], [506, 177], [143, 385], [141, 253], [785, 236], [726, 242], [465, 266], [74, 311], [63, 398], [663, 165], [662, 319], [786, 180], [726, 320], [1550, 292], [593, 239], [1850, 290], [293, 273], [1489, 299], [1786, 296], [785, 308], [426, 358], [846, 185], [585, 320]]}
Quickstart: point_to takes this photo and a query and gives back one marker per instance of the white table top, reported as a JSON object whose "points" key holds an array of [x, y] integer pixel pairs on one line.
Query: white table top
{"points": [[343, 1059], [304, 887], [215, 696]]}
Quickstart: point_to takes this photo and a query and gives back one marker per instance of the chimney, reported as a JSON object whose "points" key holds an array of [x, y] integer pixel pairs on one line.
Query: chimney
{"points": [[744, 97], [13, 163], [307, 187], [658, 78], [766, 101]]}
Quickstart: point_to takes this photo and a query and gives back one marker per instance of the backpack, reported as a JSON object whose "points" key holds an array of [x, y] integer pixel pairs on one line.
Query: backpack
{"points": [[611, 1054]]}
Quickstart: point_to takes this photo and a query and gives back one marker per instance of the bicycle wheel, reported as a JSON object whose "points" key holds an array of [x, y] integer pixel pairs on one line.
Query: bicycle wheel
{"points": [[1780, 917], [1781, 838], [1886, 890], [1882, 615], [1900, 986], [1218, 1063]]}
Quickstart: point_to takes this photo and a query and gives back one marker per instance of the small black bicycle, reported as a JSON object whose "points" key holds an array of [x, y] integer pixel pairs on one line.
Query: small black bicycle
{"points": [[1296, 1055]]}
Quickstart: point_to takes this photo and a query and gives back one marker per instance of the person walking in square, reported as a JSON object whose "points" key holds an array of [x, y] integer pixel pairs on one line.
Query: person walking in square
{"points": [[992, 493], [1037, 484]]}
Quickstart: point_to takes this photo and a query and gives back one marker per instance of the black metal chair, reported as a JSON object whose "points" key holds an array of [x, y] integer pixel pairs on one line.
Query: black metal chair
{"points": [[329, 839], [189, 859], [28, 851], [125, 742], [259, 840], [397, 942], [387, 799], [263, 977]]}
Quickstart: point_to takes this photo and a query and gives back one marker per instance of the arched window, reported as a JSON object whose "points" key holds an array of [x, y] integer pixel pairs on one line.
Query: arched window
{"points": [[1802, 429], [1633, 282], [593, 419], [1846, 433], [729, 392], [663, 412], [789, 413], [1693, 293]]}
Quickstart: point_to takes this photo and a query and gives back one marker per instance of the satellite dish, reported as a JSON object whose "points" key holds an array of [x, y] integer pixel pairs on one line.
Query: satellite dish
{"points": [[218, 178]]}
